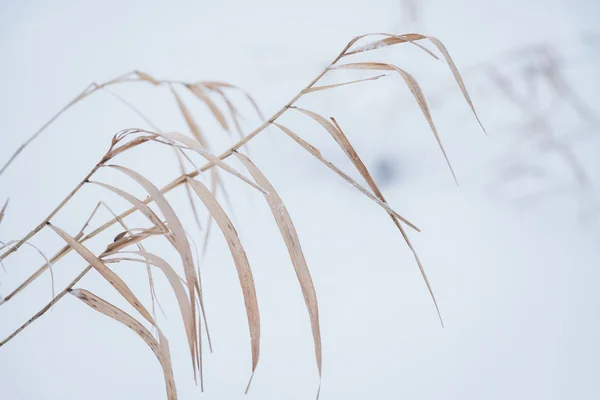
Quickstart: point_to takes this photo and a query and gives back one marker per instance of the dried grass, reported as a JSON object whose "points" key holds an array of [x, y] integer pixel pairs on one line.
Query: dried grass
{"points": [[188, 290]]}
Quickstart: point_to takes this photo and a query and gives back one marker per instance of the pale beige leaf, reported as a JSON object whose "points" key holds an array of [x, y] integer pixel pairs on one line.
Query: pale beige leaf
{"points": [[292, 242], [326, 87], [179, 290], [389, 41], [106, 272], [345, 144], [317, 154], [416, 91], [324, 122], [232, 110], [218, 85], [457, 76], [200, 94], [190, 120], [241, 263], [3, 210], [412, 38], [145, 77], [160, 350], [188, 191]]}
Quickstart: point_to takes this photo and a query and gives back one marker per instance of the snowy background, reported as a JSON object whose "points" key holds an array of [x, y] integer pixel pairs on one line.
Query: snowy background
{"points": [[512, 257]]}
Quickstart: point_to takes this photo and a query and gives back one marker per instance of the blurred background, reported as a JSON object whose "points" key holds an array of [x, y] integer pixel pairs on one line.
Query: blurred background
{"points": [[512, 253]]}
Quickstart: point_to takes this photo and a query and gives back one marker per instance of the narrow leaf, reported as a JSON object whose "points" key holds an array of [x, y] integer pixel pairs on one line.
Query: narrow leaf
{"points": [[457, 76], [106, 272], [160, 350], [190, 120], [317, 154], [3, 210], [326, 87], [416, 91], [200, 94], [345, 144], [290, 237], [174, 280], [241, 263], [145, 77]]}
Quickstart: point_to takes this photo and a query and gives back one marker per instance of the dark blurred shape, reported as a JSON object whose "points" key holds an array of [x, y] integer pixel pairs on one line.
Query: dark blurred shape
{"points": [[385, 171]]}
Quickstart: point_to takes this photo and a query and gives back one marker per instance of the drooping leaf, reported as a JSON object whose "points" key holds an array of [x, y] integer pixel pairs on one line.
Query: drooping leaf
{"points": [[160, 349], [317, 154], [416, 91], [200, 94], [194, 128], [292, 242], [106, 272], [241, 263]]}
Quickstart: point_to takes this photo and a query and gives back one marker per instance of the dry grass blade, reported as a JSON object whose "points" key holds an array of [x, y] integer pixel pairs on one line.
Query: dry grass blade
{"points": [[179, 290], [395, 39], [188, 191], [292, 242], [232, 110], [389, 41], [329, 127], [106, 272], [347, 147], [159, 349], [200, 94], [146, 77], [317, 154], [416, 91], [241, 263], [3, 210], [190, 120], [217, 86], [214, 186], [326, 87], [181, 242], [457, 76]]}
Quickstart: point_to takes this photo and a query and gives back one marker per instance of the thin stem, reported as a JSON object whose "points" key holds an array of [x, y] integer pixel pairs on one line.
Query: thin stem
{"points": [[47, 306], [86, 92], [52, 214]]}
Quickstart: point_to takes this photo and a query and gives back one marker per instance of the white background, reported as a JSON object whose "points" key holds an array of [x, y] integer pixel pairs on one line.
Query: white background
{"points": [[517, 286]]}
